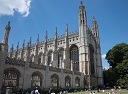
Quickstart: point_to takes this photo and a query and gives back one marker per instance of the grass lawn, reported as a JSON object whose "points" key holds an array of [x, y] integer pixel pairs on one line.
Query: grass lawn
{"points": [[123, 91]]}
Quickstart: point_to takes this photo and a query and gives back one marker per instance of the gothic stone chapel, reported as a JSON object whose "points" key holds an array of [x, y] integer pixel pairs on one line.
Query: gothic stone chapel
{"points": [[69, 61]]}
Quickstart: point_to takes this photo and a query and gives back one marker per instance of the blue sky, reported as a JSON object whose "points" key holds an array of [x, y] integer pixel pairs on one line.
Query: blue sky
{"points": [[32, 17]]}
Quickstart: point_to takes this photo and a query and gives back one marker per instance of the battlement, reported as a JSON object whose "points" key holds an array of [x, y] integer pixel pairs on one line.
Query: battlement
{"points": [[13, 61]]}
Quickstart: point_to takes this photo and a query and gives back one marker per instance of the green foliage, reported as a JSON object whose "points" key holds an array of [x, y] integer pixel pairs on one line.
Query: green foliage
{"points": [[118, 59], [110, 77], [117, 54]]}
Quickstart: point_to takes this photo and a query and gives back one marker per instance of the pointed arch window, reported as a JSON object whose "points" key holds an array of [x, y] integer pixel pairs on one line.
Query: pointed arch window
{"points": [[77, 82], [36, 80], [40, 58], [67, 81], [54, 81], [61, 58], [74, 57], [10, 79], [50, 58], [92, 60]]}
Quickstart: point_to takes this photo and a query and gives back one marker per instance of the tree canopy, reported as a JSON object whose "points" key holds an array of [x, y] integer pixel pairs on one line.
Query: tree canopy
{"points": [[118, 59]]}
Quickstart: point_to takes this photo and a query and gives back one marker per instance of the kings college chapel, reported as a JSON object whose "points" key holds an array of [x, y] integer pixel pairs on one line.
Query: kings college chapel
{"points": [[69, 61]]}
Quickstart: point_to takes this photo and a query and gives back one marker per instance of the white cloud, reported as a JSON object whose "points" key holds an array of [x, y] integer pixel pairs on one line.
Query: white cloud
{"points": [[8, 7], [103, 56]]}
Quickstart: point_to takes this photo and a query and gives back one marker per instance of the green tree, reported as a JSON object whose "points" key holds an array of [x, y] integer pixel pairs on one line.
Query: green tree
{"points": [[110, 77], [117, 54], [118, 59]]}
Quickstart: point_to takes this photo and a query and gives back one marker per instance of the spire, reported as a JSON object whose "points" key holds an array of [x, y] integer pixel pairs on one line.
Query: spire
{"points": [[11, 51], [93, 18], [11, 48], [6, 33], [66, 52], [66, 29], [8, 26], [95, 27], [82, 14], [45, 45], [37, 41], [81, 3], [17, 48], [55, 36], [46, 37], [23, 44], [30, 42], [36, 47], [66, 38], [55, 40]]}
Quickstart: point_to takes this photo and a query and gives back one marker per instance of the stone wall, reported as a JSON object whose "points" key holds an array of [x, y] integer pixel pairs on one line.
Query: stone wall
{"points": [[26, 70]]}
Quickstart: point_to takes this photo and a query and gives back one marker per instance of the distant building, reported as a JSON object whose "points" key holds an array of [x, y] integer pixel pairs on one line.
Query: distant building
{"points": [[68, 61]]}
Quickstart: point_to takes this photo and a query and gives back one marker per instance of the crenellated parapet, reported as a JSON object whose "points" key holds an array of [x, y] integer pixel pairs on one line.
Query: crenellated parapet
{"points": [[73, 33], [77, 73], [67, 71], [54, 69], [37, 66], [72, 38], [13, 61]]}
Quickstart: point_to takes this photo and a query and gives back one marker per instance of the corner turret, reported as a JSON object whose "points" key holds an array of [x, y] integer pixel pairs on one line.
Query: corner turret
{"points": [[6, 33], [95, 27], [82, 14]]}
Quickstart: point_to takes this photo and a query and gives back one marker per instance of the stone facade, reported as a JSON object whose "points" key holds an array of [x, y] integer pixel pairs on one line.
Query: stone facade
{"points": [[70, 60]]}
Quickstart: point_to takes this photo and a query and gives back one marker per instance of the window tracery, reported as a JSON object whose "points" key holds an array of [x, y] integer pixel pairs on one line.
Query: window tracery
{"points": [[50, 59], [54, 81], [74, 52], [10, 79], [77, 82], [35, 80], [60, 59], [67, 81], [92, 60]]}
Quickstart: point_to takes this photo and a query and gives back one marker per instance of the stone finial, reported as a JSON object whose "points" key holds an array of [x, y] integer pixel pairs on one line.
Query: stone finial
{"points": [[55, 32], [11, 48], [8, 26], [93, 19], [23, 43], [17, 46], [81, 3], [46, 36], [37, 40], [66, 29], [30, 41]]}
